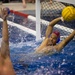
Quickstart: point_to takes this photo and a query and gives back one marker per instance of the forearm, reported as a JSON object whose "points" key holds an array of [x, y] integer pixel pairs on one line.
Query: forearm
{"points": [[51, 25], [66, 41], [5, 36], [5, 40], [5, 33], [69, 38], [55, 21]]}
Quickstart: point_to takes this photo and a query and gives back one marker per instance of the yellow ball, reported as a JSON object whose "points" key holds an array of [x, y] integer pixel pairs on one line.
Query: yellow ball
{"points": [[68, 13]]}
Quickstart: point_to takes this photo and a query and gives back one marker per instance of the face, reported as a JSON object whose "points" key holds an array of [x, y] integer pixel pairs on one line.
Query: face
{"points": [[53, 39]]}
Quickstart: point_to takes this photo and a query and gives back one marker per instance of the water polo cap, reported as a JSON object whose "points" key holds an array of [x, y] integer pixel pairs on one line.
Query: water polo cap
{"points": [[58, 35]]}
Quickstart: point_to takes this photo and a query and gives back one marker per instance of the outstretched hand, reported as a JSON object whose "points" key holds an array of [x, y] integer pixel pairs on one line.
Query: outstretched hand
{"points": [[4, 13]]}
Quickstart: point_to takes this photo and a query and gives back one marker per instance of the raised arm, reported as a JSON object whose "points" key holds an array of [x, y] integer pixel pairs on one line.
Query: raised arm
{"points": [[5, 35], [51, 25], [65, 41]]}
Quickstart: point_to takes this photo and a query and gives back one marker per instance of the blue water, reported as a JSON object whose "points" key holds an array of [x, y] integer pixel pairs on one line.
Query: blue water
{"points": [[22, 46], [62, 63]]}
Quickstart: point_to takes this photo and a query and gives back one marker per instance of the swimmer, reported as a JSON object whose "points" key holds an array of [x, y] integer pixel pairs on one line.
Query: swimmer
{"points": [[6, 67], [52, 38]]}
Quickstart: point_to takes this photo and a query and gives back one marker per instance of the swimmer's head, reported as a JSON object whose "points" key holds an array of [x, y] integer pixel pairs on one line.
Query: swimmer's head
{"points": [[55, 37]]}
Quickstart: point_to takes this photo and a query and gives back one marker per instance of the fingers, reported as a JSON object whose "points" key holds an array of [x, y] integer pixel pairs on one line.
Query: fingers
{"points": [[4, 13]]}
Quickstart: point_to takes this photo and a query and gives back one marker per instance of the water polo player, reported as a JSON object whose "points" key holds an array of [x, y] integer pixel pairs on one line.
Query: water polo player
{"points": [[51, 41]]}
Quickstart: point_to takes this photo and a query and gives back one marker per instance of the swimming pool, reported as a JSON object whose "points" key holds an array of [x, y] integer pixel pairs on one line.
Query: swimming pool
{"points": [[62, 63], [22, 44]]}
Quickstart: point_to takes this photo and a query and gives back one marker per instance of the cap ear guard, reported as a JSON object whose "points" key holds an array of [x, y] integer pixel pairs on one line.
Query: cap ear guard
{"points": [[58, 35], [58, 40]]}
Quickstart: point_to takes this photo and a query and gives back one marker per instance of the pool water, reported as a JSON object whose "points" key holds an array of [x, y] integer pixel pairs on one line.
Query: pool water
{"points": [[62, 63], [22, 46]]}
